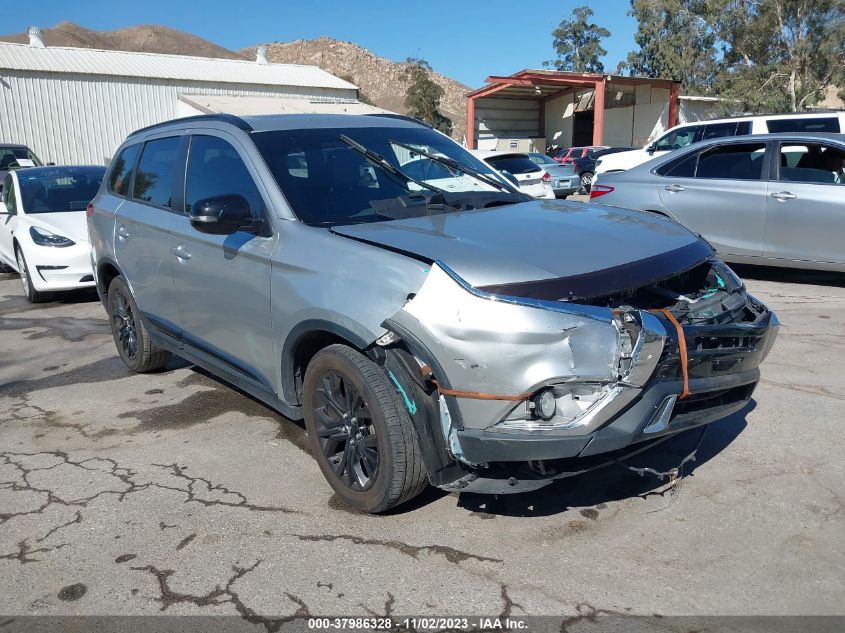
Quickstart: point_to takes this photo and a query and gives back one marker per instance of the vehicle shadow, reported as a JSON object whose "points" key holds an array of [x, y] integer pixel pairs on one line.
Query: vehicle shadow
{"points": [[16, 302], [614, 482], [588, 490], [790, 275]]}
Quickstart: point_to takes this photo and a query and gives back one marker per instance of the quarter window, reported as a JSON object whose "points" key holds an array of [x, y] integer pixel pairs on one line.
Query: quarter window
{"points": [[808, 124], [154, 176], [812, 163], [121, 172], [683, 168], [743, 161], [216, 169]]}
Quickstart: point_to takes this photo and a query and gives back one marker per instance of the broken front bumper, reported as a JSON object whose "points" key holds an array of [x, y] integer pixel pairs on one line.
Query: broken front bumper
{"points": [[616, 375]]}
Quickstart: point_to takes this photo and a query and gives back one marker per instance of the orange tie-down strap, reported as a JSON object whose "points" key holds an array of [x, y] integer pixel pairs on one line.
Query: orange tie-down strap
{"points": [[474, 395], [682, 347]]}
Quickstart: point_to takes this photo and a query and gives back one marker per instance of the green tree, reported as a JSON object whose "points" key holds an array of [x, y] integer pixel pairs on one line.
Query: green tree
{"points": [[577, 43], [781, 55], [677, 40], [423, 96]]}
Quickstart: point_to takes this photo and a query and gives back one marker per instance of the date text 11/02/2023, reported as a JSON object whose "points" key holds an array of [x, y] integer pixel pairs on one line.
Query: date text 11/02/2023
{"points": [[421, 623]]}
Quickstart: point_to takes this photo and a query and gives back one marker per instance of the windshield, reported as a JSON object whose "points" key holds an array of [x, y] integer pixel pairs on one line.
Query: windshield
{"points": [[328, 182], [50, 190], [9, 157]]}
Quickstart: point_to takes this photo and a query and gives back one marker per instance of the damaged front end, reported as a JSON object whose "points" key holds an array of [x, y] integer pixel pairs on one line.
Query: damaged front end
{"points": [[506, 384]]}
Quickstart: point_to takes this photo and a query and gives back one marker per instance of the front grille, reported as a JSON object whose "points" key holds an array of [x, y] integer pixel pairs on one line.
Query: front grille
{"points": [[711, 399]]}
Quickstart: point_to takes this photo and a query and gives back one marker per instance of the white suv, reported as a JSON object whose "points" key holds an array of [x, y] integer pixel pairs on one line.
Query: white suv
{"points": [[688, 133]]}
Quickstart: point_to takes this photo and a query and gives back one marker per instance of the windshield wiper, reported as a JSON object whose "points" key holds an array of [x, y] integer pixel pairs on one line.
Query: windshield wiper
{"points": [[453, 164], [380, 161]]}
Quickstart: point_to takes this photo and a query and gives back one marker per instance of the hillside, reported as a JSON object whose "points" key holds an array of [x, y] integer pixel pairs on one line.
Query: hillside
{"points": [[149, 38], [382, 80]]}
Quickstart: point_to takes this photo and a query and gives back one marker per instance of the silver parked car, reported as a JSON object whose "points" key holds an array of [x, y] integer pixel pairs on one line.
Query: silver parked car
{"points": [[453, 330], [776, 199], [562, 178]]}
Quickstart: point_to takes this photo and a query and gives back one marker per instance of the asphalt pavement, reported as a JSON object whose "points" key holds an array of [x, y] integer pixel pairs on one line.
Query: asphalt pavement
{"points": [[172, 493]]}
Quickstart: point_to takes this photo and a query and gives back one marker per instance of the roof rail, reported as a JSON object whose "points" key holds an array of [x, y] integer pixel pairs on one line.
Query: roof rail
{"points": [[401, 117], [231, 119]]}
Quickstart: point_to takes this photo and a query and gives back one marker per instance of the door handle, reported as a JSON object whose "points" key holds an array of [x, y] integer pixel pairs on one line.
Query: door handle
{"points": [[181, 252], [673, 188], [122, 232], [783, 195]]}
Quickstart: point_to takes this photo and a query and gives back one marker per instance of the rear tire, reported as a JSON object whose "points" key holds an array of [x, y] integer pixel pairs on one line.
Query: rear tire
{"points": [[32, 295], [586, 181], [130, 336], [359, 431]]}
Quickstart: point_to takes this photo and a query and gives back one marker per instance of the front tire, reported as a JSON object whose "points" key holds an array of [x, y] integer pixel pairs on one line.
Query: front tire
{"points": [[32, 295], [130, 336], [360, 434]]}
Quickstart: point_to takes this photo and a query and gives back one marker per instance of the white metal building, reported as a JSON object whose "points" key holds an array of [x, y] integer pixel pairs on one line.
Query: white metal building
{"points": [[76, 105]]}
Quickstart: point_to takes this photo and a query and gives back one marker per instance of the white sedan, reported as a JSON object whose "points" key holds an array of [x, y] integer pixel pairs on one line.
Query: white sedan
{"points": [[520, 170], [43, 230]]}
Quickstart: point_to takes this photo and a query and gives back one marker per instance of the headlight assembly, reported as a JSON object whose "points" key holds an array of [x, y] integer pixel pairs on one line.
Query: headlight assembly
{"points": [[43, 237]]}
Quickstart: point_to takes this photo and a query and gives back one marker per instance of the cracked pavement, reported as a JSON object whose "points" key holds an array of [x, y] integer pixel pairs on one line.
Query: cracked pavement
{"points": [[172, 493]]}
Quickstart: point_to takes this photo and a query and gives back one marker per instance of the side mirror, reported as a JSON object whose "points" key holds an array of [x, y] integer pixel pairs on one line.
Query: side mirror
{"points": [[223, 215], [651, 147]]}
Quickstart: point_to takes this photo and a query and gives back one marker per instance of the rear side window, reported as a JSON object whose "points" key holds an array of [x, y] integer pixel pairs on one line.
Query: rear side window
{"points": [[154, 176], [514, 164], [216, 169], [121, 172], [743, 161], [718, 130], [798, 124]]}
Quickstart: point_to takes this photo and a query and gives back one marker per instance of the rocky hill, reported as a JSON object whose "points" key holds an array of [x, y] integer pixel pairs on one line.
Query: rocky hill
{"points": [[380, 79], [149, 38]]}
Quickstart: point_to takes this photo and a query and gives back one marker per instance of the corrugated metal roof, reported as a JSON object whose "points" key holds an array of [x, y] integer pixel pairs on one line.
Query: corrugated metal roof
{"points": [[248, 105], [91, 61]]}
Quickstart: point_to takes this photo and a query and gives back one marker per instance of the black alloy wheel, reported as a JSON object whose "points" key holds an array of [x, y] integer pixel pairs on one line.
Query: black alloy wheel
{"points": [[345, 431]]}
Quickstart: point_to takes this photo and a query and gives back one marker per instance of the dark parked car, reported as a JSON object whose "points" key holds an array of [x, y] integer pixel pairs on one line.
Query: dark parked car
{"points": [[585, 167], [12, 156], [453, 331], [566, 155]]}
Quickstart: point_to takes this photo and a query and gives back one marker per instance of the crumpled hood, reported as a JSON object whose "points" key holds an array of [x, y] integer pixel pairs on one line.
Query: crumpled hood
{"points": [[538, 240], [70, 224]]}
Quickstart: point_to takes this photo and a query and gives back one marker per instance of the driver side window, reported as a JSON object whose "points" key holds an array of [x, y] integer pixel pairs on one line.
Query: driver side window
{"points": [[9, 196], [676, 140], [216, 169]]}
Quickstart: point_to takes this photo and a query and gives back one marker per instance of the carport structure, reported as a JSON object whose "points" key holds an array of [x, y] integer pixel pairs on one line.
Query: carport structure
{"points": [[567, 108]]}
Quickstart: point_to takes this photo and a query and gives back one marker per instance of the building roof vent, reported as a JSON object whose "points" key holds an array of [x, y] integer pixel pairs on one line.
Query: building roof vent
{"points": [[261, 55], [35, 37]]}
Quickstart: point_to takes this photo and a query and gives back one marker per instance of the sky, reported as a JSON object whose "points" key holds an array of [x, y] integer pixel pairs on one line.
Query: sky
{"points": [[467, 40]]}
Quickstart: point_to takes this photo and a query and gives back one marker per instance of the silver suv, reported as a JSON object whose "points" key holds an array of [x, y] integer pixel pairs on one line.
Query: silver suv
{"points": [[428, 321]]}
